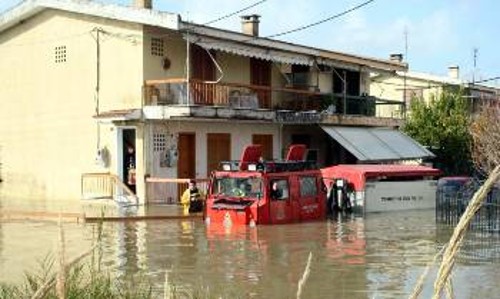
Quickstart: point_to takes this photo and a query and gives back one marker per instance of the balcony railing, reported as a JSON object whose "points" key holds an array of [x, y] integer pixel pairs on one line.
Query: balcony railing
{"points": [[233, 95]]}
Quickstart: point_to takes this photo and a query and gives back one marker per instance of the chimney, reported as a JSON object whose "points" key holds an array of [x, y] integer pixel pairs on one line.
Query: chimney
{"points": [[397, 57], [250, 25], [453, 71], [143, 4]]}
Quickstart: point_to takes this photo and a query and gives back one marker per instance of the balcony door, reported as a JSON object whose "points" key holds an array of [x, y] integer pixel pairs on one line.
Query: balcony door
{"points": [[203, 69], [186, 165], [218, 149], [266, 141], [260, 74]]}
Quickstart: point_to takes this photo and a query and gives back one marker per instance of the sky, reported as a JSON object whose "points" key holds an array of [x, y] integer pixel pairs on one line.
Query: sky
{"points": [[439, 33]]}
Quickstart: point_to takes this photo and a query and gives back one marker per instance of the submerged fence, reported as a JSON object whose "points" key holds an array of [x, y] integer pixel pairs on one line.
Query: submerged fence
{"points": [[453, 197]]}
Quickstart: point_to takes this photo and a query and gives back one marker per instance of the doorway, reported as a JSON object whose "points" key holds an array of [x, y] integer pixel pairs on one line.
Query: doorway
{"points": [[186, 147], [127, 157], [218, 149]]}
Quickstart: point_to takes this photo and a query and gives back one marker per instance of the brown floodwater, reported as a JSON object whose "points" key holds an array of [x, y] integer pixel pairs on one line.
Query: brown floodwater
{"points": [[378, 256]]}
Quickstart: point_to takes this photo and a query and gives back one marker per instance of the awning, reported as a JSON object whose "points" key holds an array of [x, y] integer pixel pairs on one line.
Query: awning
{"points": [[119, 115], [248, 50], [377, 144]]}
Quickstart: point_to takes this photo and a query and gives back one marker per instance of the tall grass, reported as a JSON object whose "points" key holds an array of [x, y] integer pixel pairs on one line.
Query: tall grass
{"points": [[75, 280]]}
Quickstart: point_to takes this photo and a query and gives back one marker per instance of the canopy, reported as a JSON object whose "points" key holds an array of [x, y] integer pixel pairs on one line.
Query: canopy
{"points": [[377, 144]]}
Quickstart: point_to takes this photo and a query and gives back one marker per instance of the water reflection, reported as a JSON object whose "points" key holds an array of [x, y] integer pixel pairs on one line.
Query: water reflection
{"points": [[379, 256]]}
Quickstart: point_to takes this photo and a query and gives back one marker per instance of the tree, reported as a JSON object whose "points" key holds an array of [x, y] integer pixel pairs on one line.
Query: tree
{"points": [[442, 125], [485, 131]]}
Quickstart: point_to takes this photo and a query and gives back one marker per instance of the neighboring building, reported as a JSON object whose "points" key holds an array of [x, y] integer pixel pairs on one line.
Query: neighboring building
{"points": [[404, 86], [82, 80]]}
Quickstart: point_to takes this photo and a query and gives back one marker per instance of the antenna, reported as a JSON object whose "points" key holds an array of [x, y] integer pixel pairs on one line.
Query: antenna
{"points": [[405, 104], [475, 50], [406, 43]]}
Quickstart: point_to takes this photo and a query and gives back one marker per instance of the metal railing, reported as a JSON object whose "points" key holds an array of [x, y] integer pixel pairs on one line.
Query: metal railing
{"points": [[106, 186], [452, 202], [170, 190]]}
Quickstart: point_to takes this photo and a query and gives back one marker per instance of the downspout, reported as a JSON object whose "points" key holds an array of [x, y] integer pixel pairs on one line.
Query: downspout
{"points": [[98, 83], [188, 70]]}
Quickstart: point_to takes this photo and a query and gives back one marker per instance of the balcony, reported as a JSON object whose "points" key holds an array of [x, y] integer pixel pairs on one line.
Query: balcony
{"points": [[164, 99]]}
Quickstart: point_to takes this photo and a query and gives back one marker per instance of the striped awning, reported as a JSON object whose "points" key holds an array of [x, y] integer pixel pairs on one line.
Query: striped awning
{"points": [[248, 50]]}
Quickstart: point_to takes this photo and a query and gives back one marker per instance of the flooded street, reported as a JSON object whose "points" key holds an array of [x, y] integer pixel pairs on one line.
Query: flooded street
{"points": [[380, 256]]}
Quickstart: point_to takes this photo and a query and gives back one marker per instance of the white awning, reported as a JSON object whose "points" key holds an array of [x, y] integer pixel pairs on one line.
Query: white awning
{"points": [[248, 50], [377, 144]]}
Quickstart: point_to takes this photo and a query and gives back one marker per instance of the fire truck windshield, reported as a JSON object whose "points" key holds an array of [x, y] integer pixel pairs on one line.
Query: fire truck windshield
{"points": [[248, 187]]}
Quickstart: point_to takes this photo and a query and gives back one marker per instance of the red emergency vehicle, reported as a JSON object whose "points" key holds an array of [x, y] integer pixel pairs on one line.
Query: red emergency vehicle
{"points": [[251, 191], [380, 188]]}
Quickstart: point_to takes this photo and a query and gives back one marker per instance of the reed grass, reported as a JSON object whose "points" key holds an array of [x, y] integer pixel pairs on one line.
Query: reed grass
{"points": [[75, 280]]}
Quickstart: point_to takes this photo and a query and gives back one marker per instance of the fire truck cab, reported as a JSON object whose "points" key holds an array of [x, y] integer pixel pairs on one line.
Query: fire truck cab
{"points": [[252, 191]]}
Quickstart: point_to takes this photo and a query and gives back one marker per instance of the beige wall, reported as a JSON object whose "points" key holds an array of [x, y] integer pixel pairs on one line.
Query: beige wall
{"points": [[174, 50], [236, 68], [241, 136], [47, 133], [391, 88]]}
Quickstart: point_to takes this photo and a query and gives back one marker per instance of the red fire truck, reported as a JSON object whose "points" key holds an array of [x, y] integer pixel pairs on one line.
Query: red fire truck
{"points": [[252, 191]]}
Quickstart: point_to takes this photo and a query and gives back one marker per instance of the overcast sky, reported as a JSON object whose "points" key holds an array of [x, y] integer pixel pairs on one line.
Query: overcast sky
{"points": [[440, 33]]}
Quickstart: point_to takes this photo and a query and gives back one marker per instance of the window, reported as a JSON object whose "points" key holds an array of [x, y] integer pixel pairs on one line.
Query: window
{"points": [[60, 54], [410, 94], [246, 187], [308, 186], [157, 46], [159, 142], [279, 189]]}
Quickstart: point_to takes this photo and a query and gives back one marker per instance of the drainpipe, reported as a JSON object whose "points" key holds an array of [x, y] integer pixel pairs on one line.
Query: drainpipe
{"points": [[188, 69], [344, 91]]}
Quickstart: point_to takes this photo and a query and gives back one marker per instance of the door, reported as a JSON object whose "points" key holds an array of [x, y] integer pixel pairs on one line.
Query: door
{"points": [[186, 163], [266, 141], [203, 70], [218, 149], [260, 74], [280, 199], [128, 165], [311, 199]]}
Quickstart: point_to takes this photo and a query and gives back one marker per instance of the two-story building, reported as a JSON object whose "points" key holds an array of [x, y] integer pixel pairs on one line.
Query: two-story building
{"points": [[403, 86], [82, 81]]}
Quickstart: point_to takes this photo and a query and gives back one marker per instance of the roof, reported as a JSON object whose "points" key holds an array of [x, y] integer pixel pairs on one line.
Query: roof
{"points": [[377, 144], [115, 115], [269, 49], [441, 80], [209, 37], [358, 173], [29, 8], [387, 170]]}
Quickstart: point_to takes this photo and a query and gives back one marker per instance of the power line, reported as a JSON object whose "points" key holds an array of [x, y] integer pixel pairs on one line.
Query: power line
{"points": [[487, 80], [235, 13], [322, 21]]}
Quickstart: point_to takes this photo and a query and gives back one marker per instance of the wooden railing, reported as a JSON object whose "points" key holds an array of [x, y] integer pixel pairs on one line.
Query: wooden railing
{"points": [[239, 95], [235, 95], [169, 190], [106, 186]]}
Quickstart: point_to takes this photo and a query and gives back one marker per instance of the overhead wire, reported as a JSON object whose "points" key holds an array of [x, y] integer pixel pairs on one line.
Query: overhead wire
{"points": [[322, 21], [345, 12], [235, 13]]}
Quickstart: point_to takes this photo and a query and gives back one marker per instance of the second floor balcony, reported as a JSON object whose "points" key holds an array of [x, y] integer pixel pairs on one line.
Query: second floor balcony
{"points": [[168, 98]]}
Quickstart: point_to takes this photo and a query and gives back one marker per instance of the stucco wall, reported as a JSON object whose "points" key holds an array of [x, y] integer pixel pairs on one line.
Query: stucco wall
{"points": [[392, 88], [241, 136], [47, 133], [174, 50]]}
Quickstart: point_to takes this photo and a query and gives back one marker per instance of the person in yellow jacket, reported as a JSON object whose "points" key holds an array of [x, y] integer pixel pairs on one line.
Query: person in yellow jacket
{"points": [[191, 199]]}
